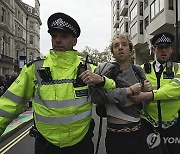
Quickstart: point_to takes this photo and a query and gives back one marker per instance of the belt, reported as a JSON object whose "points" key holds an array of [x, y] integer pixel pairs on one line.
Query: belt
{"points": [[125, 129]]}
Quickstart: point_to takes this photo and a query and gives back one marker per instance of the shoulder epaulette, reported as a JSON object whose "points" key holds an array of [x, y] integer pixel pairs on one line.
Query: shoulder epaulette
{"points": [[34, 60]]}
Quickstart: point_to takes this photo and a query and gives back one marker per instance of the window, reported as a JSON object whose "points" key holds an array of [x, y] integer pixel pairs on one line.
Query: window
{"points": [[117, 4], [141, 26], [31, 25], [146, 22], [18, 15], [126, 27], [133, 12], [156, 7], [117, 16], [152, 10], [16, 12], [15, 29], [126, 14], [121, 4], [141, 8], [8, 46], [145, 4], [3, 44], [114, 8], [121, 28], [171, 5], [8, 18], [126, 2], [161, 5], [133, 30], [19, 32], [31, 39], [21, 18], [3, 16]]}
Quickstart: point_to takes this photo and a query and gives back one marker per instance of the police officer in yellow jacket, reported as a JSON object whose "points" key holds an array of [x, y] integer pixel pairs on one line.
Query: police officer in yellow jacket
{"points": [[62, 107], [163, 111]]}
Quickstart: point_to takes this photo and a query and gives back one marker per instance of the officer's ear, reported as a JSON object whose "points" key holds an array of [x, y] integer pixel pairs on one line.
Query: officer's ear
{"points": [[74, 41], [172, 50], [153, 49]]}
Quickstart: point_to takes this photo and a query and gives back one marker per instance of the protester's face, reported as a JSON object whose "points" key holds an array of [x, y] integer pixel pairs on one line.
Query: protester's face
{"points": [[121, 50], [163, 53], [62, 41]]}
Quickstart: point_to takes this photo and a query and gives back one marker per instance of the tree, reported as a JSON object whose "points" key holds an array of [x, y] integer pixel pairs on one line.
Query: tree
{"points": [[95, 56]]}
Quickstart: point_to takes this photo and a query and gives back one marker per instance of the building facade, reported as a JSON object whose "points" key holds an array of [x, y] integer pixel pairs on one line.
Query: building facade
{"points": [[142, 19], [19, 34]]}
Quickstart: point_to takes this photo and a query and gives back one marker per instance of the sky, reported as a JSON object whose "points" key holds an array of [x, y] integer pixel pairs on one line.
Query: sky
{"points": [[93, 17]]}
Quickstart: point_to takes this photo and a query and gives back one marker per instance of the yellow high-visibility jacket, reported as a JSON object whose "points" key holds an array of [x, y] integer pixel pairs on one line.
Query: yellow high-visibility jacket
{"points": [[169, 96], [62, 113]]}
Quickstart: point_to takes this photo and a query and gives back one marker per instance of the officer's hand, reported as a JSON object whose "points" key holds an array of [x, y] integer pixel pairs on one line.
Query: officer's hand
{"points": [[141, 97], [147, 86], [91, 78]]}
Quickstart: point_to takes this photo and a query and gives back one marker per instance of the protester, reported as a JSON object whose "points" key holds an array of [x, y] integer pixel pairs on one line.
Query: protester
{"points": [[125, 133], [59, 93]]}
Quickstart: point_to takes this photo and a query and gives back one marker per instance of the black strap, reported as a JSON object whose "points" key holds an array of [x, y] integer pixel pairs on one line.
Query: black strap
{"points": [[139, 74], [158, 76]]}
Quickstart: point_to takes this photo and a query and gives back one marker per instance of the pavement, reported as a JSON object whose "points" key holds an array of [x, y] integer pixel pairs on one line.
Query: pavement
{"points": [[22, 120], [27, 116]]}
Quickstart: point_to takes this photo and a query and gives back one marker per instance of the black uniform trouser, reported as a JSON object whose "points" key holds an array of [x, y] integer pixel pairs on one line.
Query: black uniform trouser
{"points": [[119, 141], [170, 136], [85, 146]]}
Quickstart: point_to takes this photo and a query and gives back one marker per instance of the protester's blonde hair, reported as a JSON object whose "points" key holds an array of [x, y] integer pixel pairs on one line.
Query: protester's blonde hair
{"points": [[121, 36]]}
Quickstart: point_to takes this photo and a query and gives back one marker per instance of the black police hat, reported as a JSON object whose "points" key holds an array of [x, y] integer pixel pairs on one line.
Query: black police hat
{"points": [[163, 38], [61, 21]]}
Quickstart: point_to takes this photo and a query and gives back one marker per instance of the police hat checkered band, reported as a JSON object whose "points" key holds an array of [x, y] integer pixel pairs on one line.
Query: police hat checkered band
{"points": [[59, 23], [163, 39]]}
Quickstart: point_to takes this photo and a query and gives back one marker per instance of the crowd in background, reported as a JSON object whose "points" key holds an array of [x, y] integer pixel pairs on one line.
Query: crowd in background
{"points": [[6, 81]]}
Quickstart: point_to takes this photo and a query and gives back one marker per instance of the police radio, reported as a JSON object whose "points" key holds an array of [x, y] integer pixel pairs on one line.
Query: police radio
{"points": [[45, 74], [169, 74], [81, 68], [147, 67]]}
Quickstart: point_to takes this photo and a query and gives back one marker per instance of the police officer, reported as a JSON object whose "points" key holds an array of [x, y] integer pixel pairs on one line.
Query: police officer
{"points": [[62, 108], [163, 112]]}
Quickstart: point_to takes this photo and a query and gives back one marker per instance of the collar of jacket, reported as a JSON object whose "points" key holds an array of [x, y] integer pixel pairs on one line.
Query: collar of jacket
{"points": [[63, 59]]}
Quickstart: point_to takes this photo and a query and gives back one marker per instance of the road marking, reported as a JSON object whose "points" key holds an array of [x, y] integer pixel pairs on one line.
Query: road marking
{"points": [[14, 141]]}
